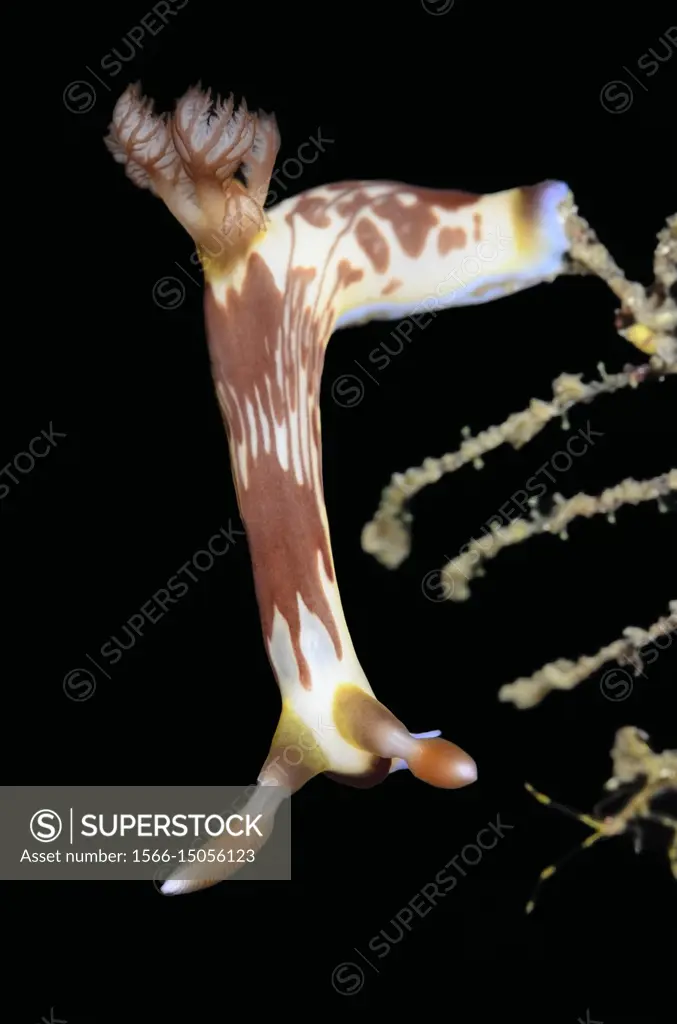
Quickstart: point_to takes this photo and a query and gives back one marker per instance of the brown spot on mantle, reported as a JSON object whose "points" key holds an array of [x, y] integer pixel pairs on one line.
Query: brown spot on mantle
{"points": [[283, 518], [411, 222], [450, 238], [391, 286], [353, 203], [477, 224], [370, 239], [446, 199], [505, 286], [348, 274], [314, 210]]}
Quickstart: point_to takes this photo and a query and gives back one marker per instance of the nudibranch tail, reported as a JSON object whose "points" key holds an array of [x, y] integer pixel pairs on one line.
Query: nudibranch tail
{"points": [[294, 758], [223, 854]]}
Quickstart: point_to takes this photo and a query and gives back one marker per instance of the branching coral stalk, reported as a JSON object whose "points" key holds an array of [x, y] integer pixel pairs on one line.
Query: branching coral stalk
{"points": [[646, 318], [633, 761], [633, 757], [527, 692], [467, 565], [387, 536]]}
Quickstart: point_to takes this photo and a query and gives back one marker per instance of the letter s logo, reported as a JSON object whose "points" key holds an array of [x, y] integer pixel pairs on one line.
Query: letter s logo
{"points": [[46, 826]]}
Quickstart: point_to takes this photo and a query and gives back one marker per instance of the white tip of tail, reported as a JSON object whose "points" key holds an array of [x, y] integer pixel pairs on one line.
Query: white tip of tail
{"points": [[174, 887], [200, 875]]}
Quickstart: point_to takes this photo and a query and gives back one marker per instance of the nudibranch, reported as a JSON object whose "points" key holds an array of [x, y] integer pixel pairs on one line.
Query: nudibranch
{"points": [[278, 282]]}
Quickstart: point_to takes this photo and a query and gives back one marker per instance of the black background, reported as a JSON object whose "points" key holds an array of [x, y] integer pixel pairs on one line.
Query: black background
{"points": [[484, 97]]}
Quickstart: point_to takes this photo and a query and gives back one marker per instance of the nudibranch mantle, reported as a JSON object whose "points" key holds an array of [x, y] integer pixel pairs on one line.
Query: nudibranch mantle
{"points": [[279, 282]]}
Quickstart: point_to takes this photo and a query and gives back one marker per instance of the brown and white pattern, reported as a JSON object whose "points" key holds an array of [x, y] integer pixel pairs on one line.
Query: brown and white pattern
{"points": [[278, 284]]}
